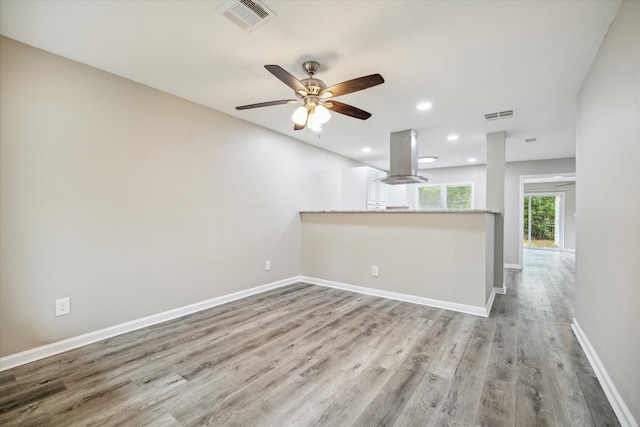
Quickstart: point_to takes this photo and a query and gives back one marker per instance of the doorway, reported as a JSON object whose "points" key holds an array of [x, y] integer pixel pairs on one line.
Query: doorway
{"points": [[542, 220], [564, 225]]}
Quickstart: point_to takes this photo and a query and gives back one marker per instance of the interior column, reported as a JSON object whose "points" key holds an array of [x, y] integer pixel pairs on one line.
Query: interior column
{"points": [[495, 201]]}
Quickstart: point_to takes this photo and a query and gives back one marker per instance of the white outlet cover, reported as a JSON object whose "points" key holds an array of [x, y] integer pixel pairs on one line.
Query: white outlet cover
{"points": [[63, 306]]}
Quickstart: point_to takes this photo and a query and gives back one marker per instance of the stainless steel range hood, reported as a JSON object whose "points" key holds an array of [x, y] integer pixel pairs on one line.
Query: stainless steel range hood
{"points": [[404, 159]]}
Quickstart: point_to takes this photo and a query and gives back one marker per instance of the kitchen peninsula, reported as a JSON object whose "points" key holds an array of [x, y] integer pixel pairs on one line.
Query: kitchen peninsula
{"points": [[436, 258]]}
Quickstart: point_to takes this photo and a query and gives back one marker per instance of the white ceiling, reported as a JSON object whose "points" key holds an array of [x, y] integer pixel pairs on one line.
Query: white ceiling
{"points": [[467, 58]]}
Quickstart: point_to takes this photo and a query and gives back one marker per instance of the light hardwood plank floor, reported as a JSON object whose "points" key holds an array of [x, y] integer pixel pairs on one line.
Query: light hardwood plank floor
{"points": [[306, 355]]}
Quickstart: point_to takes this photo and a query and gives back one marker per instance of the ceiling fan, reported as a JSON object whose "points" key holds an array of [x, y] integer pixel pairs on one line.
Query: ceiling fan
{"points": [[315, 96]]}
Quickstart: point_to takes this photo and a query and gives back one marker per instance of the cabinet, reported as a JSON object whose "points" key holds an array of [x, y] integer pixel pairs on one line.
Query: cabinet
{"points": [[360, 190], [376, 190]]}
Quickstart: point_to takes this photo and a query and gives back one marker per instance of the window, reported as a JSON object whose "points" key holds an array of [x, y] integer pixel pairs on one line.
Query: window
{"points": [[429, 197], [445, 197], [459, 196]]}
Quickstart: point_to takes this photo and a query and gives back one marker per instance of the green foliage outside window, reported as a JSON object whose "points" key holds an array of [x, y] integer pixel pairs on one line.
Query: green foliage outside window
{"points": [[543, 215], [429, 198], [457, 197]]}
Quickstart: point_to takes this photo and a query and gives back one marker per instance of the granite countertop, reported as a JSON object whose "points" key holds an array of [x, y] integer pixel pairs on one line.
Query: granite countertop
{"points": [[405, 211]]}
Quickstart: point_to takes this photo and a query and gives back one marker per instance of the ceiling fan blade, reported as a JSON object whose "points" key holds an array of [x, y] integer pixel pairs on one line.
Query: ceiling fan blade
{"points": [[267, 104], [286, 78], [353, 85], [347, 110]]}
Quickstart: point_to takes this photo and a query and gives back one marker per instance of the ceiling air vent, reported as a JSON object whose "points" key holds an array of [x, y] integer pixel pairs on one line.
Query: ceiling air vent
{"points": [[529, 140], [247, 14], [507, 114]]}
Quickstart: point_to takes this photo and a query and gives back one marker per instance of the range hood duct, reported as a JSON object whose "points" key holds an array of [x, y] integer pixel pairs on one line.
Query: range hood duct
{"points": [[404, 159]]}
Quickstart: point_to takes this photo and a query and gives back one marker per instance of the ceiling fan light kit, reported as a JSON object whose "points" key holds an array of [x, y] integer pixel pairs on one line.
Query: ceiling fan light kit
{"points": [[300, 115], [315, 96], [315, 117]]}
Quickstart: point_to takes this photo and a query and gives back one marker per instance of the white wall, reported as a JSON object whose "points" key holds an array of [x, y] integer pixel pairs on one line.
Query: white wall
{"points": [[131, 201], [608, 205]]}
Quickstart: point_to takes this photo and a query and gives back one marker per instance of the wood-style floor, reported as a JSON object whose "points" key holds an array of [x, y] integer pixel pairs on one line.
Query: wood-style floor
{"points": [[306, 355]]}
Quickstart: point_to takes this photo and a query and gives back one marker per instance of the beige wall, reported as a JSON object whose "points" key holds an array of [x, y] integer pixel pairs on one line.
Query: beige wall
{"points": [[608, 205], [131, 201], [441, 256]]}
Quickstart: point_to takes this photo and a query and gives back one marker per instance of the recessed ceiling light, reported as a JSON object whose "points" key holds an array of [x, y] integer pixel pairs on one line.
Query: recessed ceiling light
{"points": [[423, 106], [427, 159], [366, 150], [453, 137], [471, 159]]}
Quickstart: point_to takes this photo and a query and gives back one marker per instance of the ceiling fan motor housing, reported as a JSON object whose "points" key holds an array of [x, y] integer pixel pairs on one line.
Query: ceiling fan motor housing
{"points": [[314, 86]]}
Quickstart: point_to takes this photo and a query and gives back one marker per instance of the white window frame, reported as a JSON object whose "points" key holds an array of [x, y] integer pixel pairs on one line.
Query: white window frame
{"points": [[443, 193]]}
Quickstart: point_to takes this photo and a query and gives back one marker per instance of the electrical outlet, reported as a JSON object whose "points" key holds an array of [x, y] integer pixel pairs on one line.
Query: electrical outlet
{"points": [[374, 271], [63, 306], [267, 265]]}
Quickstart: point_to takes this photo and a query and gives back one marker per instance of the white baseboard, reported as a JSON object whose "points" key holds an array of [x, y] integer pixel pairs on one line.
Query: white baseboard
{"points": [[462, 308], [502, 290], [618, 405], [513, 266], [52, 349], [47, 350], [569, 250], [492, 297]]}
